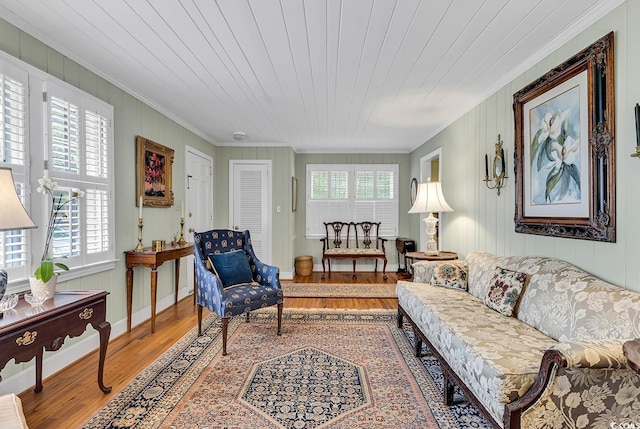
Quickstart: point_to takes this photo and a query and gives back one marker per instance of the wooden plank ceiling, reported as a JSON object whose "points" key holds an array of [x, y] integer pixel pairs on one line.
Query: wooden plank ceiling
{"points": [[317, 75]]}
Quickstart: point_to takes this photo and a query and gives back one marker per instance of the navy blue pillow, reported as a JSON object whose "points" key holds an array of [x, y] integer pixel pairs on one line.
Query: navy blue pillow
{"points": [[232, 268]]}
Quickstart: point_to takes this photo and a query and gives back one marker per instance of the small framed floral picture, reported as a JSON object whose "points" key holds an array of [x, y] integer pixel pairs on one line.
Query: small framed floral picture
{"points": [[153, 173], [565, 152]]}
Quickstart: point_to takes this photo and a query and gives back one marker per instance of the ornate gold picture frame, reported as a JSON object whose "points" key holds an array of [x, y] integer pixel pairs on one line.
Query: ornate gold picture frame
{"points": [[565, 149], [153, 173]]}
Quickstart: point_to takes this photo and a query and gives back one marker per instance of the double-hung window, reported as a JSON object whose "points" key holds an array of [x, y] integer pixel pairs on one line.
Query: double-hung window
{"points": [[79, 156], [352, 193], [50, 128]]}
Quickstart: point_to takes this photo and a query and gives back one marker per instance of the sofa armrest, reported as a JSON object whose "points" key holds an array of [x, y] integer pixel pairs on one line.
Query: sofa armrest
{"points": [[600, 354]]}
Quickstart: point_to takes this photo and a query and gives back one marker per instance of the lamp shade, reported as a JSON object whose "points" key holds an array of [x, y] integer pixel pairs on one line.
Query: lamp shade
{"points": [[430, 199], [12, 212]]}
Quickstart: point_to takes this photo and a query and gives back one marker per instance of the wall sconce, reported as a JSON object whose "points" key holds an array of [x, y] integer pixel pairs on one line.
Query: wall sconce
{"points": [[637, 154], [498, 168]]}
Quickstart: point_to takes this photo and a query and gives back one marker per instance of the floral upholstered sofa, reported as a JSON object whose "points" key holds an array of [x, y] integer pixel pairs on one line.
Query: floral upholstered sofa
{"points": [[555, 362]]}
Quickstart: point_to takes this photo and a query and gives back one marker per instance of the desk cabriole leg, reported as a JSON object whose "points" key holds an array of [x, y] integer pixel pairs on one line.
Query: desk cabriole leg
{"points": [[129, 296], [177, 262], [38, 387], [104, 330], [154, 293]]}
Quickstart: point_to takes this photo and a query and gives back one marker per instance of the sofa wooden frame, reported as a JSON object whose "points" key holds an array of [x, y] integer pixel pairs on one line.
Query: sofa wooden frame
{"points": [[551, 361], [359, 235]]}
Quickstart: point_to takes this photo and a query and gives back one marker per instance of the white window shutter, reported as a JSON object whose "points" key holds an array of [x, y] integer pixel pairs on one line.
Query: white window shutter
{"points": [[80, 156], [14, 245], [356, 193]]}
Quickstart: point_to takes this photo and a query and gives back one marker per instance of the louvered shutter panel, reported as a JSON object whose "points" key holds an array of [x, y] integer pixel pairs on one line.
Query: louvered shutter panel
{"points": [[13, 152], [67, 237], [13, 124], [97, 197], [96, 145], [64, 123], [97, 219], [251, 194]]}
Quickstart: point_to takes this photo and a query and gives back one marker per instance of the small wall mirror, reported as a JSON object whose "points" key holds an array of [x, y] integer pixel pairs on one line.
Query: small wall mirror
{"points": [[498, 168], [497, 165]]}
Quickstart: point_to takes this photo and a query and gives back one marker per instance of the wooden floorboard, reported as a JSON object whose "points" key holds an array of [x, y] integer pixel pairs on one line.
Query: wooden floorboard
{"points": [[71, 396]]}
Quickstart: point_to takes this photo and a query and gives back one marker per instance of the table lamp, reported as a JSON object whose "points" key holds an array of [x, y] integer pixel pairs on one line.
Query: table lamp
{"points": [[429, 199], [12, 213]]}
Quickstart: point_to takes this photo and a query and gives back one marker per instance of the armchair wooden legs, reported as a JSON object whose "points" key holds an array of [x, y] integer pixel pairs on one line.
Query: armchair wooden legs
{"points": [[280, 319], [225, 325]]}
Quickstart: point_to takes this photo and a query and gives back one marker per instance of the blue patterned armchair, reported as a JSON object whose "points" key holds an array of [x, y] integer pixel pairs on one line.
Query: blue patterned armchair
{"points": [[230, 280]]}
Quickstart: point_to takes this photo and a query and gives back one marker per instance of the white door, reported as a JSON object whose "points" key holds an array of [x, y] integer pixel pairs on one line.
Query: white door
{"points": [[199, 199], [250, 202]]}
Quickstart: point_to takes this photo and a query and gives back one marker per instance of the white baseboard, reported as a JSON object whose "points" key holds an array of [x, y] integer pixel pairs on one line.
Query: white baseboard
{"points": [[286, 275], [55, 361]]}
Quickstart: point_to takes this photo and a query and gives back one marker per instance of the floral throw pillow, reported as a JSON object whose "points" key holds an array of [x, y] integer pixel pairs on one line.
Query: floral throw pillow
{"points": [[450, 275], [504, 291]]}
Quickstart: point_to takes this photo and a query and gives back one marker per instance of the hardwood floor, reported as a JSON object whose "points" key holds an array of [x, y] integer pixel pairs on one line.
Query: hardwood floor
{"points": [[72, 395]]}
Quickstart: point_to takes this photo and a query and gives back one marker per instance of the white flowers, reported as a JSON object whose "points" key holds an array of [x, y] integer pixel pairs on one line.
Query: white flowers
{"points": [[47, 186], [59, 203], [555, 152]]}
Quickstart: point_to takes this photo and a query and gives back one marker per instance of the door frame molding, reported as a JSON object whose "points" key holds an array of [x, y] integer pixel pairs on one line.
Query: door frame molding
{"points": [[269, 205]]}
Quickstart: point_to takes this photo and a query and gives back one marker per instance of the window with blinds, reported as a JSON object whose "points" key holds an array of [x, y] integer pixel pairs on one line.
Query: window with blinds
{"points": [[13, 150], [79, 157], [352, 193]]}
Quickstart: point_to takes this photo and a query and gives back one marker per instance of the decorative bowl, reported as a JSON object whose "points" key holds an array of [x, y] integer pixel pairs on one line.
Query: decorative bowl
{"points": [[36, 300], [8, 302]]}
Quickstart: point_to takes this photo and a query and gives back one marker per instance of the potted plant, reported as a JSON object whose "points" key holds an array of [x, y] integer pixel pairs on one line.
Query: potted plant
{"points": [[45, 277]]}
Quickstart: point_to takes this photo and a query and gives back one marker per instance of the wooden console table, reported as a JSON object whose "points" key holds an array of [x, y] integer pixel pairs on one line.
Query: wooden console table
{"points": [[153, 259], [25, 331]]}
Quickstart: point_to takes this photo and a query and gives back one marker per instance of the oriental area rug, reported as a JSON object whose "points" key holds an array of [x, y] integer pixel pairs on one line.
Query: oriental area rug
{"points": [[338, 290], [329, 369]]}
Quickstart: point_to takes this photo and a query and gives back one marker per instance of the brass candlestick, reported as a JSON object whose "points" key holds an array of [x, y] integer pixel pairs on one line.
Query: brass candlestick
{"points": [[140, 246], [182, 241]]}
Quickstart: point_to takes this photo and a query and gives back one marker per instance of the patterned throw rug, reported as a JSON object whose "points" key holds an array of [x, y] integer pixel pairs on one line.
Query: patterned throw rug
{"points": [[338, 290], [329, 369]]}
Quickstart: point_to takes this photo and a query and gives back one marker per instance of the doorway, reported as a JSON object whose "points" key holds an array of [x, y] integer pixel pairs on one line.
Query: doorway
{"points": [[198, 198]]}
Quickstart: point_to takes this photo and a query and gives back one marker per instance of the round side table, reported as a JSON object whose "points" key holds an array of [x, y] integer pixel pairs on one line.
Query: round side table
{"points": [[420, 256]]}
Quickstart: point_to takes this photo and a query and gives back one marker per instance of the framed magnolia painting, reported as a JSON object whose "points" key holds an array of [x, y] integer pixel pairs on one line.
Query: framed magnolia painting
{"points": [[565, 152], [153, 171]]}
